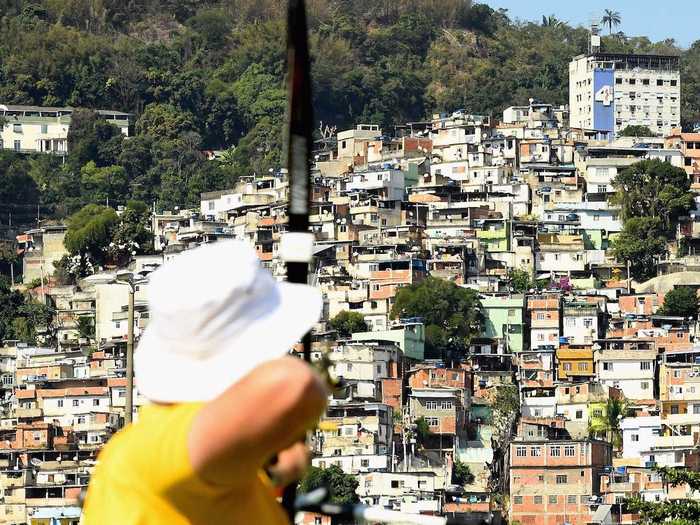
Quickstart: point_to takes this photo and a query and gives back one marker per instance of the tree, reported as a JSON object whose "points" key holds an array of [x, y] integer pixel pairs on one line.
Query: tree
{"points": [[131, 236], [461, 473], [347, 323], [89, 233], [20, 318], [675, 511], [608, 425], [637, 131], [422, 430], [92, 139], [656, 189], [640, 242], [521, 281], [341, 486], [681, 301], [611, 18], [164, 121], [452, 314]]}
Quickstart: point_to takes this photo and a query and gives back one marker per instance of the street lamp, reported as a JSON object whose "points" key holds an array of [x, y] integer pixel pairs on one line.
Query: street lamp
{"points": [[126, 277]]}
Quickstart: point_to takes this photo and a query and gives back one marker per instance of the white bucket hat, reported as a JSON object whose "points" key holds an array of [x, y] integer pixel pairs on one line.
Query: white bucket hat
{"points": [[215, 314]]}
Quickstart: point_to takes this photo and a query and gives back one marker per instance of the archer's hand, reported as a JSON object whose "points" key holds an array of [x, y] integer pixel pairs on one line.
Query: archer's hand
{"points": [[291, 465]]}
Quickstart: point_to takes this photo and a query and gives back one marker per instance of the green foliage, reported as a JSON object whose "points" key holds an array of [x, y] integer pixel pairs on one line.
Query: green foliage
{"points": [[20, 317], [164, 121], [461, 474], [641, 241], [347, 323], [611, 18], [18, 191], [652, 188], [652, 196], [521, 281], [422, 430], [90, 232], [452, 314], [86, 326], [675, 512], [681, 301], [607, 426], [340, 485], [92, 139], [637, 131]]}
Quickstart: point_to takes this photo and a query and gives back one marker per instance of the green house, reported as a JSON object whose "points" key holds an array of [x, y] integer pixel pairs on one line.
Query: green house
{"points": [[504, 319]]}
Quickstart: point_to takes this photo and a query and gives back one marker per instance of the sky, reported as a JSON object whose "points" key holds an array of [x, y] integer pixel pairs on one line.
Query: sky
{"points": [[657, 19]]}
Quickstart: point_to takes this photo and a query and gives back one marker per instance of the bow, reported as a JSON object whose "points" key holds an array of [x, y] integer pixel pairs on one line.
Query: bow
{"points": [[297, 244]]}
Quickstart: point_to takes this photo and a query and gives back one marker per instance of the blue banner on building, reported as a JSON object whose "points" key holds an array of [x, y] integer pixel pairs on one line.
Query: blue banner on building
{"points": [[604, 100]]}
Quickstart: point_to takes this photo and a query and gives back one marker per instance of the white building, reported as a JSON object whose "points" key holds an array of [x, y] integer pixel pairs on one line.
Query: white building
{"points": [[389, 184], [610, 91], [638, 433], [629, 365], [36, 129]]}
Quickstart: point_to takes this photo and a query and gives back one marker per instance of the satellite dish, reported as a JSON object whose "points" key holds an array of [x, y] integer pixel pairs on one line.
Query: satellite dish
{"points": [[36, 462]]}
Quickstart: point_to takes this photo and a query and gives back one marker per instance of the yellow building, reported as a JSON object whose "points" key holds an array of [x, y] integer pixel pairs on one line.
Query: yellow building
{"points": [[575, 362]]}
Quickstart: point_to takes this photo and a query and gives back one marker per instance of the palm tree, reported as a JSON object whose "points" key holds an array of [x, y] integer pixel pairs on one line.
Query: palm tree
{"points": [[550, 21], [611, 18], [608, 425]]}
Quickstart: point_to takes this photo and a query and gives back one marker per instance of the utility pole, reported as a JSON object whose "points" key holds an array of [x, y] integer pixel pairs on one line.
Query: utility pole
{"points": [[127, 278], [629, 278], [130, 358]]}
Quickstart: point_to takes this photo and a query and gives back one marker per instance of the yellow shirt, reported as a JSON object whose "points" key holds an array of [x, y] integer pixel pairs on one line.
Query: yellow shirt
{"points": [[144, 477]]}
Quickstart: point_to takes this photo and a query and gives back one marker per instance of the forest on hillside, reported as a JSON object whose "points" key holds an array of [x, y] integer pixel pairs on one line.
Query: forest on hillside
{"points": [[210, 75]]}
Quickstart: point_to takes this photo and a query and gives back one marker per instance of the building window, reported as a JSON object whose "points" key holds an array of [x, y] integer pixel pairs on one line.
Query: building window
{"points": [[446, 405], [518, 500], [18, 145], [635, 438], [521, 452], [583, 367], [571, 499], [432, 421], [645, 385], [535, 451], [538, 500], [364, 463], [76, 402], [696, 409], [553, 499], [567, 366], [60, 403], [569, 450], [562, 479], [95, 402], [587, 322], [607, 366], [17, 128], [645, 365], [431, 405], [674, 83], [44, 129], [555, 452]]}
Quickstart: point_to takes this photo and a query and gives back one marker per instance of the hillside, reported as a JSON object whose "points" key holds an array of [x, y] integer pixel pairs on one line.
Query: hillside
{"points": [[209, 75]]}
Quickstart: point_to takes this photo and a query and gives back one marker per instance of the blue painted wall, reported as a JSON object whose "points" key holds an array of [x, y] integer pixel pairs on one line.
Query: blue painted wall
{"points": [[604, 103]]}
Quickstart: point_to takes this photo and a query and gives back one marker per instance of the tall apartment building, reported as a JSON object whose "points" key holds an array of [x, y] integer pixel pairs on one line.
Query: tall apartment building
{"points": [[610, 91], [35, 129]]}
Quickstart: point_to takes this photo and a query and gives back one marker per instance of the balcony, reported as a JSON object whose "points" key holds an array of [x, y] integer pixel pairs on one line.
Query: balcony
{"points": [[491, 234], [26, 413], [623, 486]]}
